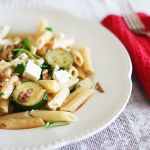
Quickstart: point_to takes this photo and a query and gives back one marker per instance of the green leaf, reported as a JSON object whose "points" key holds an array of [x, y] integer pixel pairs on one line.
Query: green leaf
{"points": [[45, 65], [20, 68], [19, 51], [26, 43], [51, 124], [64, 68], [51, 73], [1, 94], [49, 29]]}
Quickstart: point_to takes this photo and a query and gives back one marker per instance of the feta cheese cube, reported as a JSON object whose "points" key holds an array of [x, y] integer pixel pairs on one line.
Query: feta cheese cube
{"points": [[5, 42], [4, 65], [40, 61], [32, 71], [16, 61], [61, 76], [23, 56]]}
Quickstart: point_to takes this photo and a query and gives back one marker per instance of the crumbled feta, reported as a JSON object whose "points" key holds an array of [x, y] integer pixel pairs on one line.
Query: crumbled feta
{"points": [[62, 43], [4, 64], [61, 76], [32, 71], [40, 61], [23, 56], [16, 61], [5, 42], [8, 87], [4, 30]]}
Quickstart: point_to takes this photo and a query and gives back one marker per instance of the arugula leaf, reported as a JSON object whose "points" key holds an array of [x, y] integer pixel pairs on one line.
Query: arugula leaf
{"points": [[45, 65], [1, 94], [49, 29], [51, 73], [20, 68], [26, 43], [51, 124], [64, 68], [19, 51]]}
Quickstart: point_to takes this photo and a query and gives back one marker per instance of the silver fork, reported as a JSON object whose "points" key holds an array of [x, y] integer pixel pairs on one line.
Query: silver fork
{"points": [[132, 20]]}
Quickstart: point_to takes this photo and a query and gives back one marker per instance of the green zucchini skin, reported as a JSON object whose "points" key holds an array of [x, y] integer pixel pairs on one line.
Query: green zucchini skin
{"points": [[39, 105], [36, 101], [59, 57]]}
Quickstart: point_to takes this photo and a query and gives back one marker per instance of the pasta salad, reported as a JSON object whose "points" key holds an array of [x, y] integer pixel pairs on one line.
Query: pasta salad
{"points": [[44, 78]]}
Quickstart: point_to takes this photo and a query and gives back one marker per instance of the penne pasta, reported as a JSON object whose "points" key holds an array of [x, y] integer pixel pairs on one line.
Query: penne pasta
{"points": [[72, 95], [73, 72], [41, 26], [43, 38], [70, 83], [19, 115], [15, 124], [87, 66], [78, 100], [51, 86], [86, 83], [81, 73], [78, 59], [58, 99], [45, 76], [4, 104], [47, 115]]}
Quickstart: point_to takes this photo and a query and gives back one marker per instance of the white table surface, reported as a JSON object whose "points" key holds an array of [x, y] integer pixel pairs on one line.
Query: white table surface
{"points": [[131, 130]]}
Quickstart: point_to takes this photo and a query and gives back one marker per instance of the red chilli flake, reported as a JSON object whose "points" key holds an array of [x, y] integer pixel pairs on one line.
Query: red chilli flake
{"points": [[24, 95], [99, 88]]}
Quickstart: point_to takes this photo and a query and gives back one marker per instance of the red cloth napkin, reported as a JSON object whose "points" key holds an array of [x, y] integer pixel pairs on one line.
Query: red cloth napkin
{"points": [[137, 46]]}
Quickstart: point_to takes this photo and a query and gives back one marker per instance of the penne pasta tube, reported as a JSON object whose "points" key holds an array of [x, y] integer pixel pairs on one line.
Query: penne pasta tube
{"points": [[86, 83], [43, 39], [73, 72], [41, 26], [51, 86], [78, 59], [4, 103], [81, 73], [58, 99], [78, 100], [19, 115], [87, 66], [70, 83], [15, 124], [47, 115], [72, 95]]}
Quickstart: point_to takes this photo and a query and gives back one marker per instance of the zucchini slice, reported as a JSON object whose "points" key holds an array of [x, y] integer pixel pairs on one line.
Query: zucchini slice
{"points": [[59, 57], [29, 95]]}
